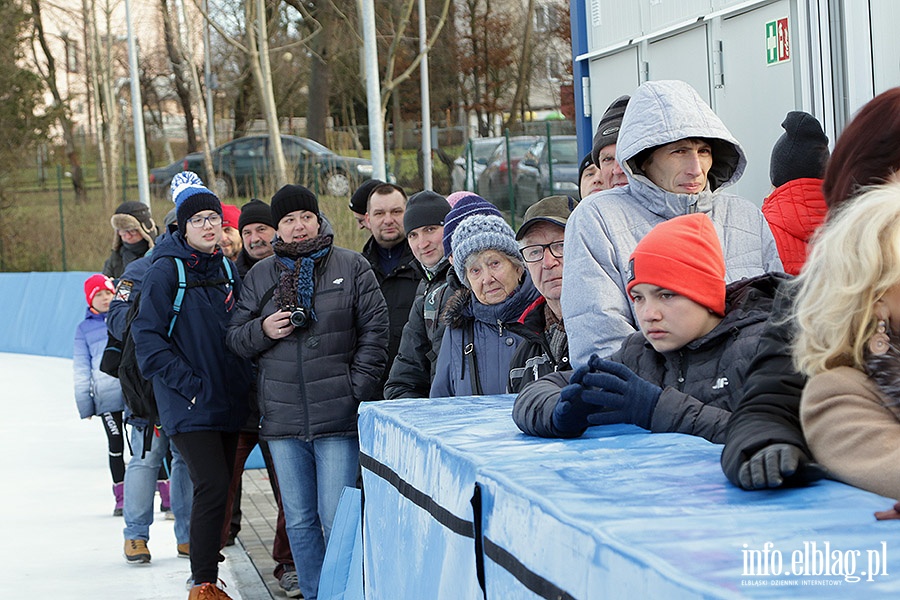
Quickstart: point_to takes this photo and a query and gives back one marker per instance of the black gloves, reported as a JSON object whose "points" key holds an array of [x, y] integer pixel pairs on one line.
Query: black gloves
{"points": [[604, 393], [779, 465]]}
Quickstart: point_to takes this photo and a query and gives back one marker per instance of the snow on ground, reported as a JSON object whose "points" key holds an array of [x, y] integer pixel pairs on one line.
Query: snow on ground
{"points": [[59, 538]]}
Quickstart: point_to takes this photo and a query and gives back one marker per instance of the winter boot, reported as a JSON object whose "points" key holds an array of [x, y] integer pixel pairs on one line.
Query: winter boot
{"points": [[163, 488], [119, 493]]}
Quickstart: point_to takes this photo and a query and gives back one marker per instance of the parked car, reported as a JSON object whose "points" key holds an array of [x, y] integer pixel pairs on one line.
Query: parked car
{"points": [[492, 183], [463, 178], [244, 165], [559, 158]]}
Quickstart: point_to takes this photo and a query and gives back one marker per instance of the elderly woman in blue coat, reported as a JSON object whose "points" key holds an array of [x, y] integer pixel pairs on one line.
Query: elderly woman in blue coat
{"points": [[477, 346]]}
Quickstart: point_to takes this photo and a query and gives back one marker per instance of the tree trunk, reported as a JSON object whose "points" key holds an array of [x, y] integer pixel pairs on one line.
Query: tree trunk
{"points": [[524, 66], [259, 65], [65, 122], [181, 85], [319, 105]]}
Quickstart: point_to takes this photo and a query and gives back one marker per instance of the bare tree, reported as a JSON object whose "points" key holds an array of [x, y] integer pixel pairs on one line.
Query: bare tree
{"points": [[182, 86], [65, 121], [524, 73]]}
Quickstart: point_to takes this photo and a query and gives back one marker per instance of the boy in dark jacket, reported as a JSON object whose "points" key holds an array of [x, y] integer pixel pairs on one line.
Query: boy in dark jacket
{"points": [[684, 370], [200, 386]]}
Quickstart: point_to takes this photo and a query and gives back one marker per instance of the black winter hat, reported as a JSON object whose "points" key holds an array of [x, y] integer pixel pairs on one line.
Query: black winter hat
{"points": [[587, 161], [608, 128], [255, 211], [425, 208], [359, 201], [139, 211], [801, 151], [293, 197]]}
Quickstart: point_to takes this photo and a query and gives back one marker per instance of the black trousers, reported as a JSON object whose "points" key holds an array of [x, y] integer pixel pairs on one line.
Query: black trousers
{"points": [[209, 456], [115, 438]]}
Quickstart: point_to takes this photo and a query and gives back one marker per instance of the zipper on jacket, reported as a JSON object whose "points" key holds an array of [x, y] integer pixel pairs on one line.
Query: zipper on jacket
{"points": [[301, 388], [681, 370], [500, 325]]}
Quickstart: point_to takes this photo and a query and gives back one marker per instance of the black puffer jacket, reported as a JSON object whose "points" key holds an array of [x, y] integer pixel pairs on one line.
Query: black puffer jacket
{"points": [[310, 384], [413, 368], [702, 382], [399, 290], [769, 408]]}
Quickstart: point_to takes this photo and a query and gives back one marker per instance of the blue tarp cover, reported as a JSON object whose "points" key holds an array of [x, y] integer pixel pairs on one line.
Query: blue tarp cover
{"points": [[618, 513]]}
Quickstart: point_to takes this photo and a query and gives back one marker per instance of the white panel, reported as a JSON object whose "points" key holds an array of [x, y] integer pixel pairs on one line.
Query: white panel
{"points": [[618, 21], [664, 13], [682, 56], [885, 18], [611, 77], [756, 96]]}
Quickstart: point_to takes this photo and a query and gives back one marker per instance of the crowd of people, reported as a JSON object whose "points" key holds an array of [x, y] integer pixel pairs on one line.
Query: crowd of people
{"points": [[658, 298]]}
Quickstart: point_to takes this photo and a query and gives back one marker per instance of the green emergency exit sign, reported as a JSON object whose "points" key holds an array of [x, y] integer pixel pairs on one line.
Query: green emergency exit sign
{"points": [[778, 43]]}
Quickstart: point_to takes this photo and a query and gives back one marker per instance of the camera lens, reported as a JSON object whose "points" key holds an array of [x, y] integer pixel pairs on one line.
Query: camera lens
{"points": [[299, 318]]}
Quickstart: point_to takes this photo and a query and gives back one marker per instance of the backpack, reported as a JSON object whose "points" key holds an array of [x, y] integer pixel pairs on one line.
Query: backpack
{"points": [[137, 391]]}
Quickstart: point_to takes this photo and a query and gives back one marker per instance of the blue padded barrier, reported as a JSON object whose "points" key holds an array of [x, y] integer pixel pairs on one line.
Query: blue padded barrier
{"points": [[40, 312], [342, 571], [618, 513], [418, 531]]}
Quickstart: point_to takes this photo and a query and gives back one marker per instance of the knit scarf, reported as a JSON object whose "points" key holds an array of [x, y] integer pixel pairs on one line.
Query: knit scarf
{"points": [[297, 261]]}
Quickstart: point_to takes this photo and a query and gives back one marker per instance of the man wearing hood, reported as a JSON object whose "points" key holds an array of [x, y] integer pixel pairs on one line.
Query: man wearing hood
{"points": [[678, 157]]}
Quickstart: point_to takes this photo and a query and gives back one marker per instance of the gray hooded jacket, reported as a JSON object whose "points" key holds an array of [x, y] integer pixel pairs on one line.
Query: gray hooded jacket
{"points": [[604, 229]]}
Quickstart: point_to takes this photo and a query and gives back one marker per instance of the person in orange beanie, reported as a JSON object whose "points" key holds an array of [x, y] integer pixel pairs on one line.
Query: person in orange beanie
{"points": [[682, 372]]}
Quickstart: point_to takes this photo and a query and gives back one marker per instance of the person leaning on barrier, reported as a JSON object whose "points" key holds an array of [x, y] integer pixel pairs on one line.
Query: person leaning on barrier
{"points": [[678, 157], [683, 372], [413, 367], [765, 447], [313, 318], [545, 347]]}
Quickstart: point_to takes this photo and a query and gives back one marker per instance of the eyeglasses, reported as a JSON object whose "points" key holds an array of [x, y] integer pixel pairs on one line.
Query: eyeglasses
{"points": [[198, 222], [535, 252]]}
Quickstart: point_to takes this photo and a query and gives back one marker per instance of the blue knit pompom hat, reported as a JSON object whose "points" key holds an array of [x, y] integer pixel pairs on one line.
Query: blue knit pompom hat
{"points": [[190, 197], [473, 204], [477, 233]]}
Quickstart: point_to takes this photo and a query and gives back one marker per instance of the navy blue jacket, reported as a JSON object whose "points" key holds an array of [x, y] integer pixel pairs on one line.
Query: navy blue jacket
{"points": [[199, 384]]}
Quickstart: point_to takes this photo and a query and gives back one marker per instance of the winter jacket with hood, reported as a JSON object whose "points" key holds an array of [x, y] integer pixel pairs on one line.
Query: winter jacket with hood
{"points": [[199, 384], [413, 368], [701, 382], [311, 383], [604, 229], [95, 391], [794, 211], [494, 342]]}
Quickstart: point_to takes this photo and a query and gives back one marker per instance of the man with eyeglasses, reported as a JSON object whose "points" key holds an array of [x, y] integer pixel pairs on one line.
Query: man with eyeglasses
{"points": [[545, 348]]}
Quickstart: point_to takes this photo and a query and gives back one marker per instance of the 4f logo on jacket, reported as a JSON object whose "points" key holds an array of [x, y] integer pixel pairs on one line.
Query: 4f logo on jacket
{"points": [[720, 383]]}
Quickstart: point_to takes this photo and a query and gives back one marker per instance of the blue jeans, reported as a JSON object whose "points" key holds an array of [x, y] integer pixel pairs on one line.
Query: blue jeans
{"points": [[140, 488], [312, 476]]}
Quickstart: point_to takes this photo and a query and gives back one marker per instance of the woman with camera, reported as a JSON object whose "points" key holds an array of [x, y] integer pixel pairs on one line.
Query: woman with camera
{"points": [[314, 320]]}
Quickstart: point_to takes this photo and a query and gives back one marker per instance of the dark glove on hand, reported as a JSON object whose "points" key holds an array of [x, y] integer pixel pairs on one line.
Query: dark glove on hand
{"points": [[779, 465], [570, 413], [625, 397]]}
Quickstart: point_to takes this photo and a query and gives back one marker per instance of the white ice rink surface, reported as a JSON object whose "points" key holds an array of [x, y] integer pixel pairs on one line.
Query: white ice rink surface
{"points": [[58, 538]]}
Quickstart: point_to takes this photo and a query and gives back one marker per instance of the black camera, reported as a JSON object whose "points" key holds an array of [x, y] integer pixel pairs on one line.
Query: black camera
{"points": [[300, 317]]}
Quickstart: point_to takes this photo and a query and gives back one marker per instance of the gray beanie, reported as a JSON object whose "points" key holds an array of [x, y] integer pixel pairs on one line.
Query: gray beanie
{"points": [[478, 233]]}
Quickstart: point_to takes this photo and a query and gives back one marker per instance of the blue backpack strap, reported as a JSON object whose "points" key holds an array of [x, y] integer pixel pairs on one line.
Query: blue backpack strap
{"points": [[179, 295], [226, 264]]}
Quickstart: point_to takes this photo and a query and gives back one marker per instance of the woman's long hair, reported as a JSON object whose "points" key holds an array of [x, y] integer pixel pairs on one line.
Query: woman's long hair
{"points": [[854, 260]]}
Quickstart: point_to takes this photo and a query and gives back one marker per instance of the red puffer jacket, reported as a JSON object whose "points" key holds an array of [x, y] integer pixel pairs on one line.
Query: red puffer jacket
{"points": [[793, 212]]}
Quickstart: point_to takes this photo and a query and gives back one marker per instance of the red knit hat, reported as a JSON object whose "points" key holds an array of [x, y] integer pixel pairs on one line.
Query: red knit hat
{"points": [[231, 215], [683, 255], [96, 283]]}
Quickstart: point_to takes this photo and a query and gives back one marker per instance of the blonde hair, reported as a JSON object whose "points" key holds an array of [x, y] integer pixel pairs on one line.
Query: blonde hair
{"points": [[854, 259]]}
